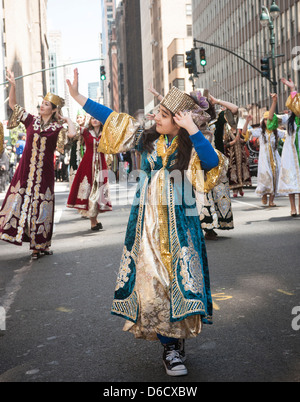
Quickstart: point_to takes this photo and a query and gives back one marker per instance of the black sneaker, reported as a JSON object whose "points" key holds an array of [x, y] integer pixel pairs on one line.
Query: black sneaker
{"points": [[173, 362]]}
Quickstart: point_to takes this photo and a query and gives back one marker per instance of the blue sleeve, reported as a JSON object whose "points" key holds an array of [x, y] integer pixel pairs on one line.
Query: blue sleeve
{"points": [[207, 155], [98, 111]]}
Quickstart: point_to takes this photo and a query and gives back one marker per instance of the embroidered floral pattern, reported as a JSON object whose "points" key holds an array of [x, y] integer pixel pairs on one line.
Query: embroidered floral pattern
{"points": [[124, 272], [84, 189], [191, 271]]}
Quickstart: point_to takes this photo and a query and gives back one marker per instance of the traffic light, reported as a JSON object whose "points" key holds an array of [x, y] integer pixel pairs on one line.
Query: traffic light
{"points": [[265, 67], [191, 63], [102, 73], [203, 61]]}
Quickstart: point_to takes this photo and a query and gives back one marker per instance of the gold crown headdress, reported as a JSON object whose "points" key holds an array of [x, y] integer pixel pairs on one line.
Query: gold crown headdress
{"points": [[56, 100], [177, 101]]}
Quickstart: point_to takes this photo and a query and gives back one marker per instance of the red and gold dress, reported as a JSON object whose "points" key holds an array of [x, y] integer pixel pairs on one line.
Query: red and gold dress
{"points": [[27, 212], [90, 189]]}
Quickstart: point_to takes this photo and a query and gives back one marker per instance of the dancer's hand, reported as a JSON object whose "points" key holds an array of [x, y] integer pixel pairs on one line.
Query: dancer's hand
{"points": [[63, 118], [213, 100], [150, 116], [153, 91], [73, 87], [10, 76], [289, 83], [274, 97], [185, 120], [71, 126]]}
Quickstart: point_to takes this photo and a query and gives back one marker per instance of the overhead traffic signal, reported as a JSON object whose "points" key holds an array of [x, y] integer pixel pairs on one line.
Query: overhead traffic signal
{"points": [[191, 63], [265, 67], [102, 73], [203, 61]]}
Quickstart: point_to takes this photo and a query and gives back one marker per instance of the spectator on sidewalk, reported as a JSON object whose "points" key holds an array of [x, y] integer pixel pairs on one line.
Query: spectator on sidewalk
{"points": [[4, 166]]}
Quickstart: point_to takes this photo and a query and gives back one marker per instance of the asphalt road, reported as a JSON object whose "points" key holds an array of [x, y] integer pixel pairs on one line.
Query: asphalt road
{"points": [[58, 322]]}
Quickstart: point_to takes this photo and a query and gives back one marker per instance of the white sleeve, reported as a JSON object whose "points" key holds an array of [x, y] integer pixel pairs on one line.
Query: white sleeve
{"points": [[284, 119], [256, 132]]}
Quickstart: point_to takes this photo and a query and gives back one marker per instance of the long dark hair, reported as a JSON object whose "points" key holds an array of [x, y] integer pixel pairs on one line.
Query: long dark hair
{"points": [[264, 128], [211, 111], [185, 146], [54, 117], [291, 124]]}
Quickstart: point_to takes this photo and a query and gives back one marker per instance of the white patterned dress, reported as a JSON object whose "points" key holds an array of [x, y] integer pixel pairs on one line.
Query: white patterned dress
{"points": [[289, 177]]}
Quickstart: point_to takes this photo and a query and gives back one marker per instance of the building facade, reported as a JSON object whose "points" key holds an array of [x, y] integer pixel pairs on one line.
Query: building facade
{"points": [[26, 49], [108, 18], [133, 56], [235, 25], [166, 30]]}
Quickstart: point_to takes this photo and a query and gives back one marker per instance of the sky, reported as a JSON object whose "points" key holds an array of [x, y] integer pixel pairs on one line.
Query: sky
{"points": [[80, 25]]}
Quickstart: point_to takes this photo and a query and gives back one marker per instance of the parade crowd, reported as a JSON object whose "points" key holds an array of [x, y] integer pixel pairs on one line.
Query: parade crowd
{"points": [[163, 286]]}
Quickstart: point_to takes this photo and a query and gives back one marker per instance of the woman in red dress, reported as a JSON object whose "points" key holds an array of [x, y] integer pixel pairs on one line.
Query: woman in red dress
{"points": [[28, 209], [90, 189]]}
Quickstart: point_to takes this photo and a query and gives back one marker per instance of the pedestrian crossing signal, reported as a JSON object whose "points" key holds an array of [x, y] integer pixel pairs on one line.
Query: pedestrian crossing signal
{"points": [[203, 61], [102, 73]]}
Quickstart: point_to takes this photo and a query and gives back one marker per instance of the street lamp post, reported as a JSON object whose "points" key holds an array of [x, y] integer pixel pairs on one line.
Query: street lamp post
{"points": [[267, 19]]}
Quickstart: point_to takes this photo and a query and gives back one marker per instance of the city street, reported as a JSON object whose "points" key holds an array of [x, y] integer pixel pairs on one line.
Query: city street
{"points": [[59, 327]]}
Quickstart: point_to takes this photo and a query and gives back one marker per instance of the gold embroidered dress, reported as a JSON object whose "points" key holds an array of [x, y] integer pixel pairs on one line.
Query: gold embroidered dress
{"points": [[90, 188], [289, 177], [163, 284], [28, 209]]}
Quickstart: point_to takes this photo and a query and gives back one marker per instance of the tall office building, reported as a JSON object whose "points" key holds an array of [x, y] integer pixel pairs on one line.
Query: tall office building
{"points": [[59, 72], [55, 60], [108, 17], [93, 91], [26, 48], [166, 34], [235, 25], [3, 98], [129, 50]]}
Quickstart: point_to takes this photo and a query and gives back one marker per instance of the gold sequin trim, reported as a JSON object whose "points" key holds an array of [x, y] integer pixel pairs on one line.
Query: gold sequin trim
{"points": [[119, 134], [294, 104]]}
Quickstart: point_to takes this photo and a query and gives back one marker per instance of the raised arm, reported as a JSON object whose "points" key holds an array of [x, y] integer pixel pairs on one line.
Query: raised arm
{"points": [[155, 93], [12, 93], [245, 128], [74, 91], [273, 106], [71, 126], [230, 106], [98, 111], [289, 83]]}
